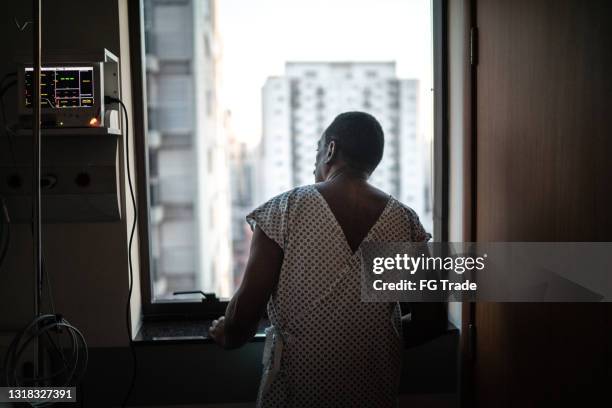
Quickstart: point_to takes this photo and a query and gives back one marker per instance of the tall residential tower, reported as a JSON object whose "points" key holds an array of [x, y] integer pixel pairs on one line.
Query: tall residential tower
{"points": [[298, 106], [188, 158]]}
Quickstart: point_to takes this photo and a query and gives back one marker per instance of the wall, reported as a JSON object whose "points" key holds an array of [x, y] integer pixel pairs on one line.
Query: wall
{"points": [[86, 262]]}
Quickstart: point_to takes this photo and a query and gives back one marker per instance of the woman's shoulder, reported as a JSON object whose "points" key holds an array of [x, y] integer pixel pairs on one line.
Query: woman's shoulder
{"points": [[288, 198], [296, 192], [406, 215], [405, 209]]}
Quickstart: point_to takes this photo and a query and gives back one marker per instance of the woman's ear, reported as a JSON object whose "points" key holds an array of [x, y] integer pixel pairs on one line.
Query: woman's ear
{"points": [[331, 152]]}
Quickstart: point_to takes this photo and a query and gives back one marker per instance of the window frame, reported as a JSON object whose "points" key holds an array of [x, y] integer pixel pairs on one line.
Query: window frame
{"points": [[440, 160], [210, 309], [159, 309]]}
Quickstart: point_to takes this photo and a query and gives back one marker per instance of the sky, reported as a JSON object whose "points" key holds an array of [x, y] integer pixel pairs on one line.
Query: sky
{"points": [[257, 37]]}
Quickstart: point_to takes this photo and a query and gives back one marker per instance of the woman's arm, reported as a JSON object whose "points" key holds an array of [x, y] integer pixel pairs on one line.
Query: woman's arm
{"points": [[245, 309]]}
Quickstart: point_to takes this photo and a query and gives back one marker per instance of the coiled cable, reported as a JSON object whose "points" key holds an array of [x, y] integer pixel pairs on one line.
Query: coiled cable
{"points": [[43, 329]]}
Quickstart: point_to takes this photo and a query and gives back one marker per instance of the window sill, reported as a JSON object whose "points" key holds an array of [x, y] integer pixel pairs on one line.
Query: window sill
{"points": [[184, 332], [196, 332]]}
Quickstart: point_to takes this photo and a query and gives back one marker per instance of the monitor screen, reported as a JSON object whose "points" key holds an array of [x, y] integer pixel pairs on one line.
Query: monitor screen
{"points": [[62, 87]]}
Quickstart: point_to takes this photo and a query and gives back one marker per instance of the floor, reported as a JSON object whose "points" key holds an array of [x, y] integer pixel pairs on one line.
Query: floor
{"points": [[412, 401]]}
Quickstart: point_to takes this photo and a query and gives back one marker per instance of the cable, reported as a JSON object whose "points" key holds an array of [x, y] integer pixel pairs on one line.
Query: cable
{"points": [[6, 226], [41, 324], [6, 87], [44, 327], [109, 100], [5, 244], [3, 112], [8, 75], [73, 367], [5, 128]]}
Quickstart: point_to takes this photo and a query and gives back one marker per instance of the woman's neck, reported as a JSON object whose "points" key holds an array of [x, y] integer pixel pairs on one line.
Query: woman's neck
{"points": [[346, 173]]}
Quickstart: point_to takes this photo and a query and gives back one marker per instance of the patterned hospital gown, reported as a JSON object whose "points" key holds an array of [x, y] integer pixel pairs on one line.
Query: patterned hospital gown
{"points": [[325, 347]]}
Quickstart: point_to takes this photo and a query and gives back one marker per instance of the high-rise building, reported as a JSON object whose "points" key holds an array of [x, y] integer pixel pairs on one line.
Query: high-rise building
{"points": [[298, 106], [188, 158], [242, 181]]}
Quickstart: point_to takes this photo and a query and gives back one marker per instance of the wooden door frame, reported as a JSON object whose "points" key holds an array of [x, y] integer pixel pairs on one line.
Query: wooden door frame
{"points": [[468, 310], [441, 16]]}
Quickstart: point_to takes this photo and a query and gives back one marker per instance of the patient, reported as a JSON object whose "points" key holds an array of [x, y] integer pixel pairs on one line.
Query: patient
{"points": [[324, 346]]}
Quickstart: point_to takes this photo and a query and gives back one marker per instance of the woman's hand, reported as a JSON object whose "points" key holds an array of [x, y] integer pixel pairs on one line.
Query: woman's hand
{"points": [[248, 304], [217, 331]]}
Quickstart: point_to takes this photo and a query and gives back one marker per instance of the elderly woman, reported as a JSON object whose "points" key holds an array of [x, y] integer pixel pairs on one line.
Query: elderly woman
{"points": [[324, 346]]}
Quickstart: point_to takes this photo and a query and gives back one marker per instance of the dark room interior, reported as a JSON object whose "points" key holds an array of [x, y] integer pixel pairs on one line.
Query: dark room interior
{"points": [[162, 241]]}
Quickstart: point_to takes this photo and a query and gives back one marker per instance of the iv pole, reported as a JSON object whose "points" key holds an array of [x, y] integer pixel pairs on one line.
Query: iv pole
{"points": [[36, 172], [42, 323]]}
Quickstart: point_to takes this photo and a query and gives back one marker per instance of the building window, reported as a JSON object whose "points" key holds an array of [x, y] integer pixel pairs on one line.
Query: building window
{"points": [[209, 168]]}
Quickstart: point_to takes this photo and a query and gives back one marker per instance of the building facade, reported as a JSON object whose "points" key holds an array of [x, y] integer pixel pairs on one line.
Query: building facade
{"points": [[188, 158], [298, 106]]}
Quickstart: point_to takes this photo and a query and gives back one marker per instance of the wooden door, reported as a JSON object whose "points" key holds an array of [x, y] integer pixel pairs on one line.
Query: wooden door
{"points": [[543, 172]]}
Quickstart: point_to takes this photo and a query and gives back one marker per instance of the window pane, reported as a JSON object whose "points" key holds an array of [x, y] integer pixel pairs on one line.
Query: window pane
{"points": [[239, 91]]}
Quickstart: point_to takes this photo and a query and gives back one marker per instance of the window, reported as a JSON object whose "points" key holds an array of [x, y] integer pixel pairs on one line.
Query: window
{"points": [[237, 125]]}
